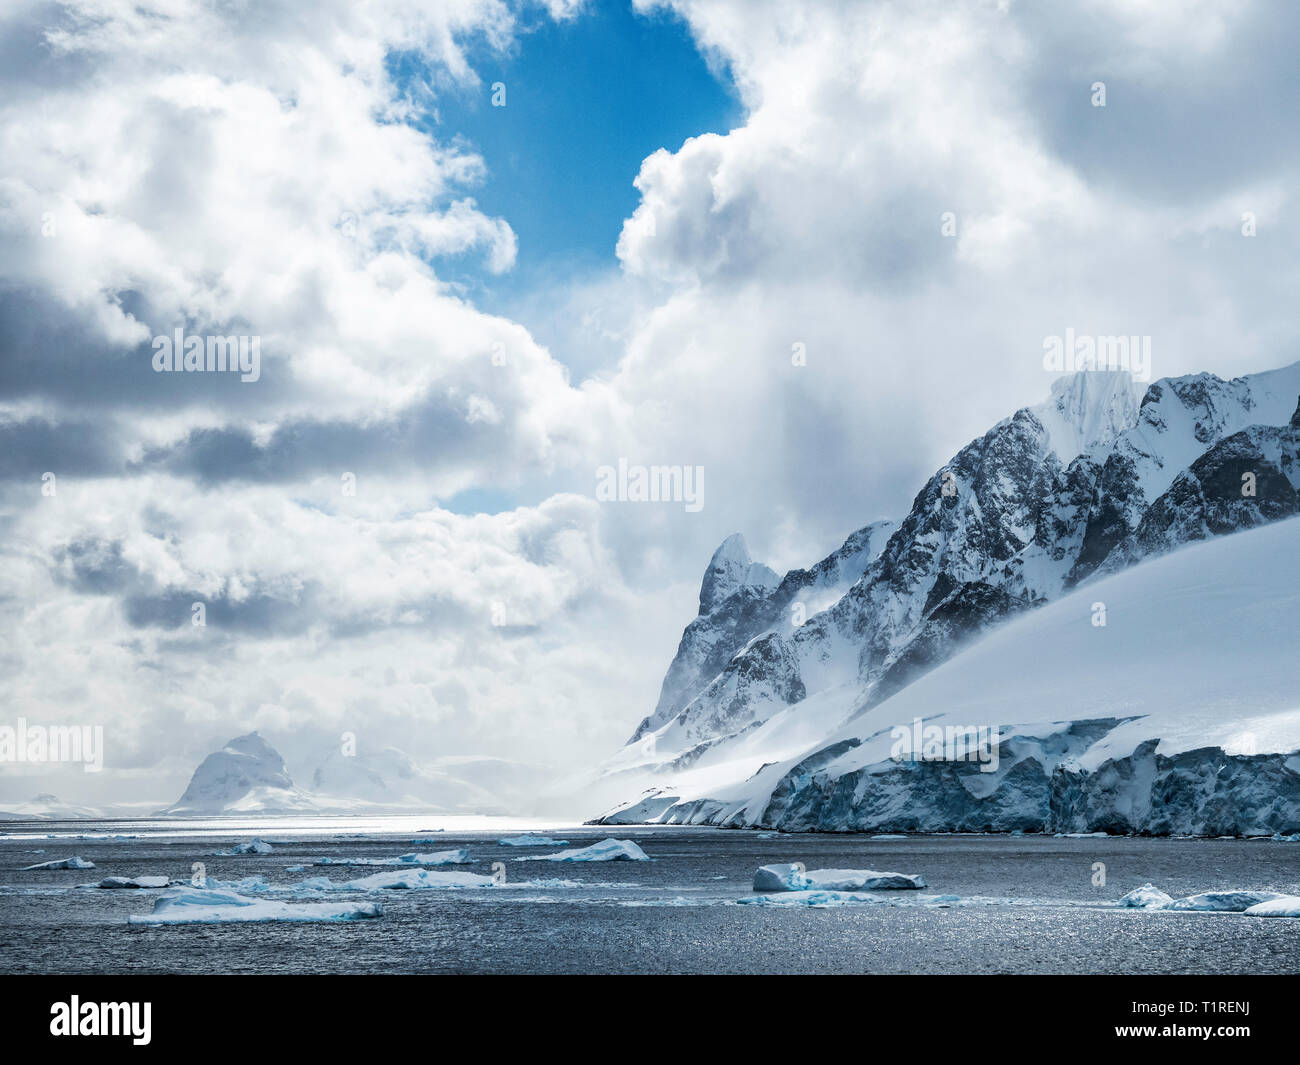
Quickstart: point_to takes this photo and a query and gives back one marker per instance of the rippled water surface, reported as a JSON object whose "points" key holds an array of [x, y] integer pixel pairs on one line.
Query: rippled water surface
{"points": [[1023, 904]]}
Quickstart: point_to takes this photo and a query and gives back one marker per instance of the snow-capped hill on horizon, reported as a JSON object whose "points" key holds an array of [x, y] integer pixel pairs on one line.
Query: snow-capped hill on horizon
{"points": [[47, 807], [1071, 491], [389, 779], [246, 776], [249, 776]]}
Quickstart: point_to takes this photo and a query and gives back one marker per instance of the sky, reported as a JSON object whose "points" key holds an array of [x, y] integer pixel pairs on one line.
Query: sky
{"points": [[809, 249]]}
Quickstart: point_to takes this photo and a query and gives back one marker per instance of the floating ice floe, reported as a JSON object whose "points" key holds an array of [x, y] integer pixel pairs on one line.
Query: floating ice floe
{"points": [[248, 883], [889, 835], [295, 868], [134, 882], [1286, 906], [1147, 897], [460, 856], [61, 863], [607, 850], [193, 905], [532, 841], [796, 878], [410, 879], [255, 846], [844, 898], [1223, 901]]}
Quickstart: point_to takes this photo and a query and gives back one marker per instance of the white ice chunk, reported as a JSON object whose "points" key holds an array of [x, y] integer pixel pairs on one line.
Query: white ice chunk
{"points": [[255, 846], [532, 841], [607, 850], [841, 898], [780, 878], [796, 878], [1223, 901], [1147, 897], [415, 879], [459, 856], [1285, 906], [192, 905], [134, 882], [61, 863]]}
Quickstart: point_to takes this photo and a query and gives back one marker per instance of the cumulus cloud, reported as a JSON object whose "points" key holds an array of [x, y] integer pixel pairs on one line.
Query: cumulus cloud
{"points": [[818, 307]]}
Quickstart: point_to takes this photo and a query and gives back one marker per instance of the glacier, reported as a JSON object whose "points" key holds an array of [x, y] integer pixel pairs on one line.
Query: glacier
{"points": [[1107, 580]]}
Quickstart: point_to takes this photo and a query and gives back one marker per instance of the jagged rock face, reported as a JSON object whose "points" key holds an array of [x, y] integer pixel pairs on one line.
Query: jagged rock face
{"points": [[1180, 419], [752, 604], [764, 679], [1248, 479], [1004, 527], [730, 570]]}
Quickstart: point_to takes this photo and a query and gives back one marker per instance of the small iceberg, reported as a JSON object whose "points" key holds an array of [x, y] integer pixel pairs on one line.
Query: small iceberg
{"points": [[61, 863], [1224, 901], [415, 879], [794, 877], [607, 850], [532, 841], [1286, 906], [460, 856], [255, 846], [1147, 897], [842, 898], [134, 882], [193, 905]]}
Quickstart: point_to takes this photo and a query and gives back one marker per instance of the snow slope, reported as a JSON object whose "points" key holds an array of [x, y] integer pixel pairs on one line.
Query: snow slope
{"points": [[1180, 714]]}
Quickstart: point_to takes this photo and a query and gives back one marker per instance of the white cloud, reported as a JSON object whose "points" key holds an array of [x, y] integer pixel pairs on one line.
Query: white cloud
{"points": [[271, 184]]}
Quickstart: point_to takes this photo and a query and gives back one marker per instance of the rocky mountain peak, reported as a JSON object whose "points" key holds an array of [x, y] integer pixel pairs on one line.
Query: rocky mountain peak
{"points": [[1088, 410], [730, 569]]}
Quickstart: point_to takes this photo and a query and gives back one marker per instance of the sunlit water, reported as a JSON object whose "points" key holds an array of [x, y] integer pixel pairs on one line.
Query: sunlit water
{"points": [[1023, 904]]}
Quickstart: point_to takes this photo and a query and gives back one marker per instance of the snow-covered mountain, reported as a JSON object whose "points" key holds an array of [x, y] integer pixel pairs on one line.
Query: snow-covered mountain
{"points": [[389, 779], [246, 776], [47, 807], [1074, 490], [740, 599]]}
